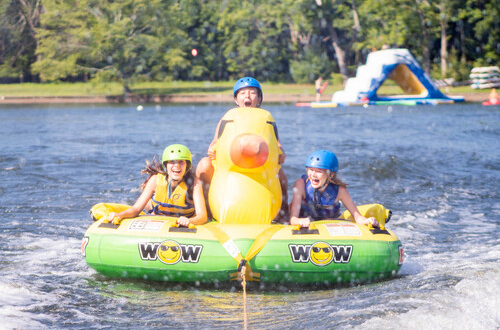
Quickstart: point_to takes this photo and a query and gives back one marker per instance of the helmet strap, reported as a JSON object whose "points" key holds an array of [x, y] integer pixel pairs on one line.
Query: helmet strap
{"points": [[329, 179], [170, 190], [331, 176], [172, 184], [324, 185]]}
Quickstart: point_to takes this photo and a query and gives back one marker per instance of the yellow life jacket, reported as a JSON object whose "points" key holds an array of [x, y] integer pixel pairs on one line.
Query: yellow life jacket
{"points": [[175, 205]]}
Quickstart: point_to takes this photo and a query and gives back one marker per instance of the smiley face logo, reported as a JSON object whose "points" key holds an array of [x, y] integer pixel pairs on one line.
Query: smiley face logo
{"points": [[321, 254], [169, 252]]}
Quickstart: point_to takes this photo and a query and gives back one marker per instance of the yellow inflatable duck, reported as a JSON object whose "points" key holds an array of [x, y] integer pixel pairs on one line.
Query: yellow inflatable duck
{"points": [[245, 188]]}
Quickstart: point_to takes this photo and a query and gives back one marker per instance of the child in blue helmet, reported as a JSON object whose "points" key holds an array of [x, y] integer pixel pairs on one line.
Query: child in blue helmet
{"points": [[247, 93], [317, 195], [171, 189]]}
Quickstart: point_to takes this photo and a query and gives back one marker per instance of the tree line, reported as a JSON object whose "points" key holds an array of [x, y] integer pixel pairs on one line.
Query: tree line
{"points": [[272, 40]]}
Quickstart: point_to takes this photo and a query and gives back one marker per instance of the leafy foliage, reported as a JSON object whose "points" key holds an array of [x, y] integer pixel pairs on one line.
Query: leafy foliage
{"points": [[289, 40]]}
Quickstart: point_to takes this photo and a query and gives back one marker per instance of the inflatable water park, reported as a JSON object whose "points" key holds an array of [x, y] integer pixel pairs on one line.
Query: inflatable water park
{"points": [[398, 65], [241, 242]]}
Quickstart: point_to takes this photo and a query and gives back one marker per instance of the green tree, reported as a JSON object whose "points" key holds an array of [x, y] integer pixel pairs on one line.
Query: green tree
{"points": [[124, 40], [201, 22], [256, 39], [335, 20], [483, 15], [18, 41], [61, 37], [411, 24], [128, 40]]}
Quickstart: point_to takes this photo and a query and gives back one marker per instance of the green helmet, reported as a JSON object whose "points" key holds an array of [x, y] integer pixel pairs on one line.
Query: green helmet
{"points": [[176, 152]]}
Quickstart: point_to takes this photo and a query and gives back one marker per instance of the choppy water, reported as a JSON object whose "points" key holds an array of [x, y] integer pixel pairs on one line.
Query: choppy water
{"points": [[436, 168]]}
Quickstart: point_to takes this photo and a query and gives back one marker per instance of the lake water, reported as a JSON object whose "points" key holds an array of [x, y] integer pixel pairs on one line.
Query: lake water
{"points": [[437, 169]]}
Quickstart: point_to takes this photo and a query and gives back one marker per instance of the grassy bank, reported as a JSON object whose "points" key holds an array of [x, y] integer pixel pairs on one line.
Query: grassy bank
{"points": [[181, 87]]}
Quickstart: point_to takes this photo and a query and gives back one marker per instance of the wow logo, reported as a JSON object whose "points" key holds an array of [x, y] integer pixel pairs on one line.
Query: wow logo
{"points": [[170, 252], [320, 253]]}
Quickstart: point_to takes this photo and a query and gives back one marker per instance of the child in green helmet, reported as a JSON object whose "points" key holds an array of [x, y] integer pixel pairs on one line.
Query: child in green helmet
{"points": [[171, 189]]}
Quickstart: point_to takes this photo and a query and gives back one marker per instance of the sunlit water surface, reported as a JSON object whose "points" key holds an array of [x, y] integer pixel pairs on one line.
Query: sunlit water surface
{"points": [[436, 168]]}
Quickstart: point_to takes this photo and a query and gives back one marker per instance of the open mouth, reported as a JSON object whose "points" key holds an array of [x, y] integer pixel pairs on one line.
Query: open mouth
{"points": [[176, 172], [315, 182]]}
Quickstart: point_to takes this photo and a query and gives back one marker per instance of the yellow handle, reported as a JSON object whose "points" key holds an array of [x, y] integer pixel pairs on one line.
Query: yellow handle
{"points": [[176, 225], [106, 220], [380, 226], [312, 226]]}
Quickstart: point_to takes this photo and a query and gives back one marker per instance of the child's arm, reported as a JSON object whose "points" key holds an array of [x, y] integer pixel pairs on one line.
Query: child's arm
{"points": [[139, 204], [211, 151], [298, 195], [282, 155], [349, 204], [200, 216]]}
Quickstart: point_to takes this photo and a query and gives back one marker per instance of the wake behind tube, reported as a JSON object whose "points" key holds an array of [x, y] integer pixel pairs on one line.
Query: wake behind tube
{"points": [[245, 188]]}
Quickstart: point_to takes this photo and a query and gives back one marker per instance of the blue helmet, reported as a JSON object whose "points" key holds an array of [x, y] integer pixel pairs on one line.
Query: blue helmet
{"points": [[323, 159], [247, 82]]}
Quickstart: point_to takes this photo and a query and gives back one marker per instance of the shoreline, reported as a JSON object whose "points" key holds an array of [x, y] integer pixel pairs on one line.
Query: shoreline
{"points": [[151, 99], [181, 98]]}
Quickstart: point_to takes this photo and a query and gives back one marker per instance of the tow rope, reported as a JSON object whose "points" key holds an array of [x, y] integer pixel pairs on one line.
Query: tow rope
{"points": [[231, 248], [244, 285]]}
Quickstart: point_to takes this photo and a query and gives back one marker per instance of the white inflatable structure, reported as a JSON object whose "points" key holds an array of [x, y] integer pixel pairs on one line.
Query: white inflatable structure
{"points": [[403, 68]]}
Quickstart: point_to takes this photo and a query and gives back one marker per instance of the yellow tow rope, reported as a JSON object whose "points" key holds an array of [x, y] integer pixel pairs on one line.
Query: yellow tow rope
{"points": [[244, 269], [229, 245], [244, 285]]}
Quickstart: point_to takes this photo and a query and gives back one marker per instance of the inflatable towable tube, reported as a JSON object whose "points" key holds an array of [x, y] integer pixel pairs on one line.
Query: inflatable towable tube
{"points": [[245, 188], [329, 252], [245, 196]]}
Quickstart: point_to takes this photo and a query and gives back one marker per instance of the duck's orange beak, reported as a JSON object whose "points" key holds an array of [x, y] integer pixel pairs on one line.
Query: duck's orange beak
{"points": [[249, 151]]}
